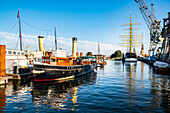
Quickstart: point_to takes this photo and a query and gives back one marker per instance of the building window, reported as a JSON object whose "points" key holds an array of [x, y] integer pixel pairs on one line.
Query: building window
{"points": [[14, 53], [10, 52]]}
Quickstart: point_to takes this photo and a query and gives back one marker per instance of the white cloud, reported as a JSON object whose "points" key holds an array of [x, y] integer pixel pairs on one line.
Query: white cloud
{"points": [[12, 42]]}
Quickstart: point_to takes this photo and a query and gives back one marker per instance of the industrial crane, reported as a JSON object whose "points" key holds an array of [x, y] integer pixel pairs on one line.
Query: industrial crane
{"points": [[154, 27]]}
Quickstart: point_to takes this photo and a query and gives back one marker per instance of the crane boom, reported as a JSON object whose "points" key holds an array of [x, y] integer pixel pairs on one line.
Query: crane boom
{"points": [[153, 25]]}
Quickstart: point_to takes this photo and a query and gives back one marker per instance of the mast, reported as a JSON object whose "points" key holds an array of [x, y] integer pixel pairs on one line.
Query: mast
{"points": [[131, 39], [131, 33], [55, 38], [18, 16], [98, 51]]}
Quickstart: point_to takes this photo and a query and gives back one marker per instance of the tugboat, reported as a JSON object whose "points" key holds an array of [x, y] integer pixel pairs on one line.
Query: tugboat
{"points": [[58, 68]]}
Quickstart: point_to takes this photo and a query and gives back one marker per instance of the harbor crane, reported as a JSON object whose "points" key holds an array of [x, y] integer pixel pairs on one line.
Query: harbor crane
{"points": [[154, 27]]}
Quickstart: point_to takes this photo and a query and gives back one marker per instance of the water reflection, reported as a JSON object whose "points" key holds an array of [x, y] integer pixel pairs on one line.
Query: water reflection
{"points": [[160, 89], [132, 87], [131, 68], [2, 98], [15, 93], [59, 94]]}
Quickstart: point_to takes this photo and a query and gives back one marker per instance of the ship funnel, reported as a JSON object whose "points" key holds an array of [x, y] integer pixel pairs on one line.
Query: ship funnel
{"points": [[77, 54], [41, 43], [74, 49], [81, 54]]}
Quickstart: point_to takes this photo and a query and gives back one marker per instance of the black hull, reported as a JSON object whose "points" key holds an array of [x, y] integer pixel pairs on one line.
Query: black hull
{"points": [[56, 73]]}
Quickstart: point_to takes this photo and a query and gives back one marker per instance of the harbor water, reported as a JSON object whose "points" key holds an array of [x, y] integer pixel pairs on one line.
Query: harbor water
{"points": [[117, 87]]}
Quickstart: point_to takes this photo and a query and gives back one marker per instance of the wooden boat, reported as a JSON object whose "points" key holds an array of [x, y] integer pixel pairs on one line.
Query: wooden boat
{"points": [[56, 68]]}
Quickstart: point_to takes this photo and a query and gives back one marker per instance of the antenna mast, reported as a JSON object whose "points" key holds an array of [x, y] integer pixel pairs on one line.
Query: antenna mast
{"points": [[55, 38], [98, 50]]}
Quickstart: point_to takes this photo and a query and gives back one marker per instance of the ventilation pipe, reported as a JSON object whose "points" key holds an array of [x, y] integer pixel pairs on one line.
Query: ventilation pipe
{"points": [[74, 49]]}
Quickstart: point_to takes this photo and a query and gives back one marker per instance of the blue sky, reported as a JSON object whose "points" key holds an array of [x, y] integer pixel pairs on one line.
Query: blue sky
{"points": [[89, 20]]}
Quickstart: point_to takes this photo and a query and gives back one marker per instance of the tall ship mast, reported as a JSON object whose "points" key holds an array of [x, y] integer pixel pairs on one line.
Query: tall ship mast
{"points": [[131, 40]]}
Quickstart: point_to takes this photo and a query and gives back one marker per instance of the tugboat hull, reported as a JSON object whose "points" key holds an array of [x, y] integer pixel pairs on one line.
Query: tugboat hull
{"points": [[55, 73]]}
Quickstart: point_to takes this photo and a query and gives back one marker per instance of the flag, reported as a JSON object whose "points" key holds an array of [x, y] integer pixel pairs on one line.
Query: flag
{"points": [[136, 0], [18, 14]]}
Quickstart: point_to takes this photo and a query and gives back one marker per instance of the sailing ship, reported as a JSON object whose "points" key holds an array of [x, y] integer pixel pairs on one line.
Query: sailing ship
{"points": [[131, 40], [100, 59]]}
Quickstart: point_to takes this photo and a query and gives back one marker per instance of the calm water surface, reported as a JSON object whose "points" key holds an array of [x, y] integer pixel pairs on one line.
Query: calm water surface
{"points": [[129, 87]]}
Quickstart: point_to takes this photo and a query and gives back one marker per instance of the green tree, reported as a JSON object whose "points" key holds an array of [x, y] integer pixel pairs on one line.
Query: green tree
{"points": [[117, 53], [89, 54]]}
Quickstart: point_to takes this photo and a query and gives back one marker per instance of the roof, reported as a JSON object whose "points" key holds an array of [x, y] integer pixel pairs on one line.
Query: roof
{"points": [[87, 57]]}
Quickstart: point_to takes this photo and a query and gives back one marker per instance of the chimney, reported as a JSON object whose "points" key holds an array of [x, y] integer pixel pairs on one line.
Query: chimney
{"points": [[41, 43], [81, 54], [74, 49], [77, 54]]}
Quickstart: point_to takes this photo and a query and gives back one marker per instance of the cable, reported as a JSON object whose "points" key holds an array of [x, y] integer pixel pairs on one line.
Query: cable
{"points": [[9, 31], [34, 26], [17, 43]]}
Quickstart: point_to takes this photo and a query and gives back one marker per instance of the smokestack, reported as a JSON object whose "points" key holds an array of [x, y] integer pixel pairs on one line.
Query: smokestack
{"points": [[77, 54], [74, 49], [41, 43], [81, 54]]}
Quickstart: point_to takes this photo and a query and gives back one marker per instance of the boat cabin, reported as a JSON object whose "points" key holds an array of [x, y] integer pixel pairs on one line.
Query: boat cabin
{"points": [[130, 55], [49, 59]]}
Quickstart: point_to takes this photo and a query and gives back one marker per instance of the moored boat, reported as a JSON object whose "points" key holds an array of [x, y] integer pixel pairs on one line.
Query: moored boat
{"points": [[52, 73], [130, 57], [161, 66], [58, 68]]}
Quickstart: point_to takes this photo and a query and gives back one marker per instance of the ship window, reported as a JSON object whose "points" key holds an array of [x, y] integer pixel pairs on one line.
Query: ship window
{"points": [[14, 53], [9, 52], [57, 60], [22, 53], [48, 60], [18, 53], [52, 60], [44, 60]]}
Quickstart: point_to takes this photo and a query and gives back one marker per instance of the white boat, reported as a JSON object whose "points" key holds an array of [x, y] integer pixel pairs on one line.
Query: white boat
{"points": [[161, 66]]}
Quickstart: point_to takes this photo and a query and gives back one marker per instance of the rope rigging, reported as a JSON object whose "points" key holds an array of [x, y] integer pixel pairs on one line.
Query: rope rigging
{"points": [[9, 31], [34, 27]]}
